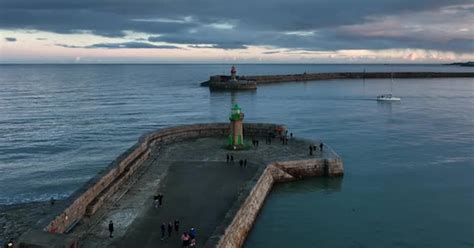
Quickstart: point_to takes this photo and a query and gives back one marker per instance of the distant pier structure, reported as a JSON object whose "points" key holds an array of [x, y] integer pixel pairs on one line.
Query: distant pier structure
{"points": [[232, 82]]}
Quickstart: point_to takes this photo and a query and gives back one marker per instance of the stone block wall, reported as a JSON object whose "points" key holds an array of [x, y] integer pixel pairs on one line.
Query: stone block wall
{"points": [[88, 199], [242, 223], [313, 167]]}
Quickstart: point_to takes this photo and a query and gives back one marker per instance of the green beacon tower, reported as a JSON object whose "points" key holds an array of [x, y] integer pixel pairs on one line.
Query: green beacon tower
{"points": [[236, 137]]}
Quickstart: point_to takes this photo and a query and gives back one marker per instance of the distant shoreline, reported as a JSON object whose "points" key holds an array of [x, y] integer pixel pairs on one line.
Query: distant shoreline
{"points": [[469, 64]]}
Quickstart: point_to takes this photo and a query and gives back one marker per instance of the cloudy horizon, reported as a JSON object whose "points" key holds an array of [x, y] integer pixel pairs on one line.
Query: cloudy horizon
{"points": [[206, 31]]}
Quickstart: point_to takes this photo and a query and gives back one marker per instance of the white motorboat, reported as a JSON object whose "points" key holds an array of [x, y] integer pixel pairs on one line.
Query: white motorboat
{"points": [[388, 97]]}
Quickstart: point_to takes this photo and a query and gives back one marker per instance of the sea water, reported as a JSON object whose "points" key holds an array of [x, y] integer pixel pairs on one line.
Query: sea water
{"points": [[409, 166]]}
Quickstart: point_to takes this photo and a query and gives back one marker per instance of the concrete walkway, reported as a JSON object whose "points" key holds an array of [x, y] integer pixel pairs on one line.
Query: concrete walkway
{"points": [[199, 188], [198, 194]]}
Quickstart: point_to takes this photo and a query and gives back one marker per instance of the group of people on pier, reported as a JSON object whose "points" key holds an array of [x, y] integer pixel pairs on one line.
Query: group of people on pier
{"points": [[314, 148], [230, 158], [188, 238]]}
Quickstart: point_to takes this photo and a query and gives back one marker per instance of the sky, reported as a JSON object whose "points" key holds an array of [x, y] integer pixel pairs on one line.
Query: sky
{"points": [[240, 31]]}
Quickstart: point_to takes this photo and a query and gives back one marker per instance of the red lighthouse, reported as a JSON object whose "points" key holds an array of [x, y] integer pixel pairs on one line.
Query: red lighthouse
{"points": [[233, 74]]}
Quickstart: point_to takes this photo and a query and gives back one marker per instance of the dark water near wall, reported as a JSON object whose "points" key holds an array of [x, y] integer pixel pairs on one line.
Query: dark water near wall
{"points": [[409, 165]]}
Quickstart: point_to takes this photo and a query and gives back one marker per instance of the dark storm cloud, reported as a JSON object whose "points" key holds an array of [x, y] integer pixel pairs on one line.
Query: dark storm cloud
{"points": [[10, 39], [133, 45], [263, 22]]}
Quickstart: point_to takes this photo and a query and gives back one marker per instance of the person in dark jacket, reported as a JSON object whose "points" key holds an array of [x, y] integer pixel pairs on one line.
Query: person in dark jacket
{"points": [[111, 229], [192, 233], [163, 230], [160, 199], [176, 226], [321, 146], [170, 229]]}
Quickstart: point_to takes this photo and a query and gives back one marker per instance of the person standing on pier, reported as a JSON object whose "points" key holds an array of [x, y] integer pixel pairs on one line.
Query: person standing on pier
{"points": [[170, 229], [176, 226], [111, 229], [163, 230], [160, 199], [192, 233], [321, 146], [185, 238], [310, 150]]}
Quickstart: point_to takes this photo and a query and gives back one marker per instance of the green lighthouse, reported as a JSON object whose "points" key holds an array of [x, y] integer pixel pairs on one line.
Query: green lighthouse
{"points": [[236, 137]]}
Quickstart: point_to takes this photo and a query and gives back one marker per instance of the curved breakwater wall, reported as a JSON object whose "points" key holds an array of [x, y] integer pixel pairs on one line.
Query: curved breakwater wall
{"points": [[90, 198], [266, 79]]}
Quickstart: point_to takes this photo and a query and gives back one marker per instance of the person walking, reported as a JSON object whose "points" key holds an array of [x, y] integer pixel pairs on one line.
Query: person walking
{"points": [[311, 150], [228, 158], [321, 146], [245, 162], [111, 229], [170, 229], [241, 163], [231, 158], [176, 226], [163, 230]]}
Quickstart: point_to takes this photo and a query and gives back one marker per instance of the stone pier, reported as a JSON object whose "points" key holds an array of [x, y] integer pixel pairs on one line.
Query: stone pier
{"points": [[222, 82], [188, 165]]}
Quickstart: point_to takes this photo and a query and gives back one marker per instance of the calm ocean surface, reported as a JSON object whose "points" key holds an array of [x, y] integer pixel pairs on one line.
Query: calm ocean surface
{"points": [[409, 166]]}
